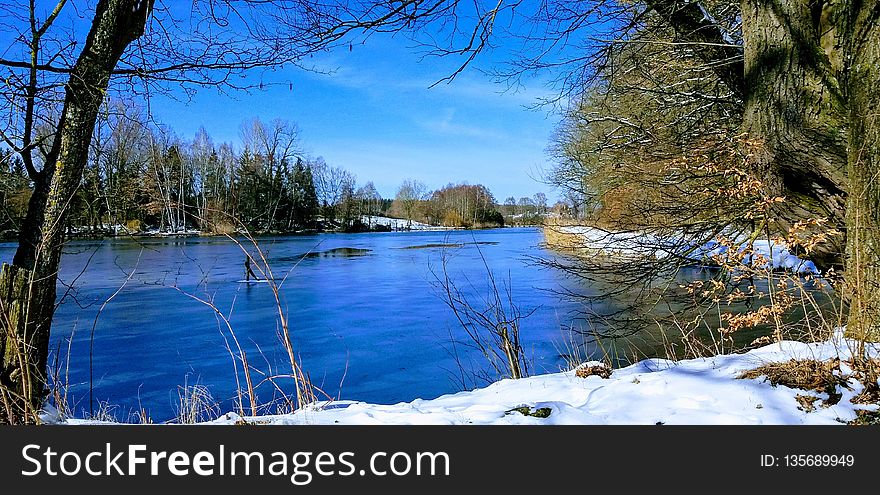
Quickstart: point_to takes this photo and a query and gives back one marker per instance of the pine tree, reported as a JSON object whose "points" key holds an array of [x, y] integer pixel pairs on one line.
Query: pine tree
{"points": [[305, 198]]}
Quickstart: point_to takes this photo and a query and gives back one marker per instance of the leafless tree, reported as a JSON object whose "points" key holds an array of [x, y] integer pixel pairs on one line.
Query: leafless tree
{"points": [[331, 184], [409, 194]]}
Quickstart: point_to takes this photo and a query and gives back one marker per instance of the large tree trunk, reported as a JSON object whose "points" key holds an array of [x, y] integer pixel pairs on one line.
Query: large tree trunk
{"points": [[811, 70], [27, 287], [863, 207], [794, 111]]}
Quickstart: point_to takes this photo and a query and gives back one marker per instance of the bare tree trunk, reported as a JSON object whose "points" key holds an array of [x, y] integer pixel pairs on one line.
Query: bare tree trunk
{"points": [[811, 69], [794, 106], [28, 285], [863, 207], [794, 109]]}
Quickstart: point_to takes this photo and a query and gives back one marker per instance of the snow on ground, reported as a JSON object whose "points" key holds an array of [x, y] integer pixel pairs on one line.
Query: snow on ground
{"points": [[635, 244], [397, 224], [621, 244], [697, 391], [119, 229], [164, 233]]}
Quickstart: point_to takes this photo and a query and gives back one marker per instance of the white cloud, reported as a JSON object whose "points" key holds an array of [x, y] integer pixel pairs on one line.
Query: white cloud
{"points": [[375, 77], [484, 90], [447, 125]]}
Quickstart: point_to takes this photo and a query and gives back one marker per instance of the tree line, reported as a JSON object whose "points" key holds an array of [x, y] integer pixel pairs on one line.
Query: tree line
{"points": [[142, 177], [453, 205]]}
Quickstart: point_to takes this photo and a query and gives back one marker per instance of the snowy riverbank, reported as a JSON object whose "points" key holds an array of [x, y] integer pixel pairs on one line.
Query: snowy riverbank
{"points": [[626, 245], [374, 223], [399, 224]]}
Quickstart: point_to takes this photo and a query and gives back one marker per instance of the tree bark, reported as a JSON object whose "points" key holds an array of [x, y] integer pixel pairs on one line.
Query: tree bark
{"points": [[793, 104], [795, 111], [28, 285], [811, 99], [863, 207]]}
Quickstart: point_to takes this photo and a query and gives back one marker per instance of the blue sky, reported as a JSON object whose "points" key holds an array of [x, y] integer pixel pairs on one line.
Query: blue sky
{"points": [[375, 115]]}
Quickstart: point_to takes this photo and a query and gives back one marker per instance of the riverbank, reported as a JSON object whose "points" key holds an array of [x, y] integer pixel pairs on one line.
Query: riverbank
{"points": [[368, 225], [721, 390], [594, 242]]}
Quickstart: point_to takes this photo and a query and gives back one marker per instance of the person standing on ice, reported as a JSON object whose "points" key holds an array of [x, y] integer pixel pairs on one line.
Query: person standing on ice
{"points": [[247, 268]]}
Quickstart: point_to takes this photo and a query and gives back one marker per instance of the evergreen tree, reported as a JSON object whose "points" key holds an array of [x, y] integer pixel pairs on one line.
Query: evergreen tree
{"points": [[305, 198]]}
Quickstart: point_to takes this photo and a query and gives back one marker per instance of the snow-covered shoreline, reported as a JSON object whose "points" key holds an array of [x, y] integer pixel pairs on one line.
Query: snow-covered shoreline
{"points": [[402, 225], [635, 245], [392, 224]]}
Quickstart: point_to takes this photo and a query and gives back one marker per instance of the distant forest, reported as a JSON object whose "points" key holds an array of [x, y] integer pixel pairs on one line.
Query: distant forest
{"points": [[143, 178]]}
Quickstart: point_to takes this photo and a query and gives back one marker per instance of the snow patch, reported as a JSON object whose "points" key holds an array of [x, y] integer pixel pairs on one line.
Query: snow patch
{"points": [[399, 224], [636, 244]]}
